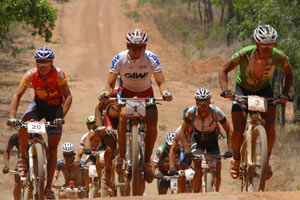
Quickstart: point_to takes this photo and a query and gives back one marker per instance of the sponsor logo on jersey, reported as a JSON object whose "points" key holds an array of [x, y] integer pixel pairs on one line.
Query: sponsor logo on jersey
{"points": [[114, 61], [136, 75], [154, 57]]}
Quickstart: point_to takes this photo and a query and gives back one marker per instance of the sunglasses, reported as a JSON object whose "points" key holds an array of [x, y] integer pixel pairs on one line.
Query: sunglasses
{"points": [[136, 48], [203, 102], [68, 155], [266, 46], [43, 64]]}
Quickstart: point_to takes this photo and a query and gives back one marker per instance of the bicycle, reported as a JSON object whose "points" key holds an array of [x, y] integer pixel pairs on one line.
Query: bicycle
{"points": [[95, 175], [135, 146], [209, 170], [254, 149], [71, 191], [35, 172], [188, 173]]}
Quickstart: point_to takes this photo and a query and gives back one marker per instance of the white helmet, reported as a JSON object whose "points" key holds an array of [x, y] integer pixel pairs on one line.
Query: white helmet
{"points": [[136, 36], [68, 148], [265, 34], [202, 94], [170, 135]]}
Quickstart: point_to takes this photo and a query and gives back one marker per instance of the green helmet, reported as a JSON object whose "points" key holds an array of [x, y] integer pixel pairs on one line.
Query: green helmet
{"points": [[90, 120]]}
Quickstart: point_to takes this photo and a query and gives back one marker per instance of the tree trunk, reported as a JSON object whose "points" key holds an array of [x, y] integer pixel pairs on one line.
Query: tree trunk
{"points": [[199, 10], [210, 12], [230, 15], [222, 10], [282, 106], [296, 97]]}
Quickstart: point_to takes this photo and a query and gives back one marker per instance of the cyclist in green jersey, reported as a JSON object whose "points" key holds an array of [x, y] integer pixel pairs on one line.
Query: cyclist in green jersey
{"points": [[256, 64]]}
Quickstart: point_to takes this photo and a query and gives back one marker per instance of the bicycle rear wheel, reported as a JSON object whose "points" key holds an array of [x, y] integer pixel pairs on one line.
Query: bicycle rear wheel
{"points": [[208, 181], [135, 161], [39, 171], [25, 193]]}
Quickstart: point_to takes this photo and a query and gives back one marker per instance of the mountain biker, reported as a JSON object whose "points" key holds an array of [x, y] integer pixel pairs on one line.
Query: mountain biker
{"points": [[52, 101], [14, 142], [256, 64], [135, 67], [204, 118], [110, 120], [72, 171], [91, 125], [161, 162]]}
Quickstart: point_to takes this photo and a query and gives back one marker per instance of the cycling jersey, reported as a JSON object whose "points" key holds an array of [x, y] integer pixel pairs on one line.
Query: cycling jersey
{"points": [[245, 59], [75, 174], [205, 137], [46, 89], [100, 147], [135, 75]]}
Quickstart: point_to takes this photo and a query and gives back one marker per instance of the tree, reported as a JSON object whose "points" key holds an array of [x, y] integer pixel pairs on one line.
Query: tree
{"points": [[36, 13]]}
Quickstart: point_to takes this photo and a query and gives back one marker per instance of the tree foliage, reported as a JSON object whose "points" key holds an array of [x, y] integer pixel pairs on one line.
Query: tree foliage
{"points": [[36, 13]]}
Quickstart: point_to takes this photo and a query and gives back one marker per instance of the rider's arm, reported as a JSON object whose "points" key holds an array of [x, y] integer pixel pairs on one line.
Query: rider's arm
{"points": [[160, 80], [68, 98], [79, 154], [111, 82], [98, 113], [183, 138], [228, 131], [223, 77], [288, 78], [16, 100], [173, 149], [88, 141], [6, 156]]}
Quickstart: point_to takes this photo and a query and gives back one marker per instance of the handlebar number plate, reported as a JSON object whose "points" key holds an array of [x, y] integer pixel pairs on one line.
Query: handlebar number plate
{"points": [[174, 184], [136, 107], [257, 103], [36, 127]]}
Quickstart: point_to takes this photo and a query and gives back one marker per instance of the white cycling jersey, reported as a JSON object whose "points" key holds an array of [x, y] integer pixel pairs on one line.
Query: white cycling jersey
{"points": [[81, 145], [135, 75]]}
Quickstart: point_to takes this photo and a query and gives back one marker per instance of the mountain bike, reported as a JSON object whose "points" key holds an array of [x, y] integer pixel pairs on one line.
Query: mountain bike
{"points": [[188, 173], [135, 135], [36, 160], [209, 170], [71, 191], [254, 149]]}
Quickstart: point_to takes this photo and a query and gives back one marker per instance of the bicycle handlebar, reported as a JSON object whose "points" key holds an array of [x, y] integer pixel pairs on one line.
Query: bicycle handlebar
{"points": [[244, 98], [149, 100], [23, 124]]}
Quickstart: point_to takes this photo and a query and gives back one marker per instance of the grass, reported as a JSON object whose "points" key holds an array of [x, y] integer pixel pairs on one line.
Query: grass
{"points": [[133, 15]]}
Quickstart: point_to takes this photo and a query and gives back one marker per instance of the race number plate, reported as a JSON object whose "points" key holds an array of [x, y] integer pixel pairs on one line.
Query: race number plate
{"points": [[92, 171], [189, 174], [136, 107], [174, 184], [36, 127], [257, 103]]}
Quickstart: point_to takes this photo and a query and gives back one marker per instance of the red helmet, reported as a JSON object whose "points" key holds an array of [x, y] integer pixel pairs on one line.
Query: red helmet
{"points": [[136, 36]]}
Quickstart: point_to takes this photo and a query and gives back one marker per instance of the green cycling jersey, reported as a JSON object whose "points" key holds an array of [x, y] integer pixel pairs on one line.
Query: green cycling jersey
{"points": [[245, 59]]}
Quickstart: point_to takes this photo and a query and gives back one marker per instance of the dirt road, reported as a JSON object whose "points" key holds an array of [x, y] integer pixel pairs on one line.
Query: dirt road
{"points": [[87, 36]]}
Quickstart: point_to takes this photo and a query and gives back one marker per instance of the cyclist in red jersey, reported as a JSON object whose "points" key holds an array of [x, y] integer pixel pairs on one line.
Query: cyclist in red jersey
{"points": [[52, 101]]}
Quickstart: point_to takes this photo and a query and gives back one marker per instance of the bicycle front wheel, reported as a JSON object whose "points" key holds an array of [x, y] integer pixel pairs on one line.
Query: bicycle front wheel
{"points": [[135, 161], [39, 171], [259, 159], [25, 193], [208, 181]]}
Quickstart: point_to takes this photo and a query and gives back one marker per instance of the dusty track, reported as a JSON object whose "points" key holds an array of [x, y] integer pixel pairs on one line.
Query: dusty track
{"points": [[88, 34]]}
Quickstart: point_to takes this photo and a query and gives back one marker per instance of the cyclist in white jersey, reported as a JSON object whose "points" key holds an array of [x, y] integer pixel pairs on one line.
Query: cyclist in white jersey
{"points": [[135, 67]]}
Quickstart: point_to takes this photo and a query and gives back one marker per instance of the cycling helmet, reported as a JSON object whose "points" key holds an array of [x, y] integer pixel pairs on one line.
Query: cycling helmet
{"points": [[202, 94], [136, 36], [169, 137], [90, 120], [265, 34], [44, 53], [68, 148]]}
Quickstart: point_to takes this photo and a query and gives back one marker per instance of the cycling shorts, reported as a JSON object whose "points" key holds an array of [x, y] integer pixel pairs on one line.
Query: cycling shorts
{"points": [[49, 112], [242, 107]]}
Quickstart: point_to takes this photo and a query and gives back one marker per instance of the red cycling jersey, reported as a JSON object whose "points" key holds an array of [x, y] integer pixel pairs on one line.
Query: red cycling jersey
{"points": [[46, 88]]}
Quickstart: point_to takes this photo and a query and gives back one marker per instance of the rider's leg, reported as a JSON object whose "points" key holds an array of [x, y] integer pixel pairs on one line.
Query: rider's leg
{"points": [[23, 143], [239, 123], [218, 176], [17, 188], [182, 184], [53, 141], [270, 117], [142, 186], [151, 134], [197, 180], [122, 133], [109, 152]]}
